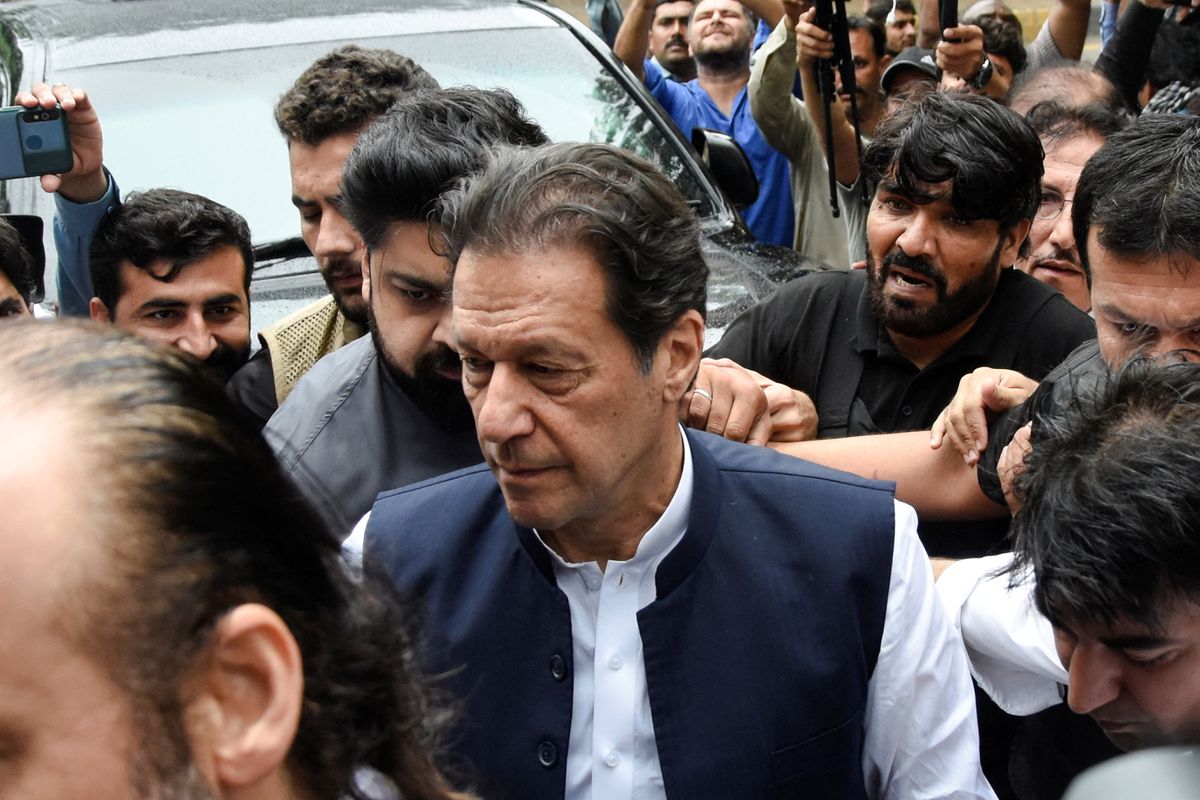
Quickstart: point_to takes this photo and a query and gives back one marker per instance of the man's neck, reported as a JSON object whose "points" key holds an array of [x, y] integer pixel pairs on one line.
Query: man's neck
{"points": [[723, 86], [924, 350], [616, 536]]}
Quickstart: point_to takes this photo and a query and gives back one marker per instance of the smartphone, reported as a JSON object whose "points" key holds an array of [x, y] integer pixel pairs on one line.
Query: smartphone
{"points": [[33, 141]]}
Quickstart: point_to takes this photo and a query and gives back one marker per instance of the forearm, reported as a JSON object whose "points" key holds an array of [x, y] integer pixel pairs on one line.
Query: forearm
{"points": [[776, 112], [931, 31], [769, 11], [1068, 26], [937, 483], [1123, 61], [74, 226], [633, 38]]}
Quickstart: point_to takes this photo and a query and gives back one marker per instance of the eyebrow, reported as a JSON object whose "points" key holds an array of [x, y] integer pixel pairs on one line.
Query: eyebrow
{"points": [[413, 280], [171, 302], [1117, 315], [921, 198], [1138, 642]]}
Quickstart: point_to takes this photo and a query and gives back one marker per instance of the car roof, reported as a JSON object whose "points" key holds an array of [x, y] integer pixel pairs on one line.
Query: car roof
{"points": [[92, 32]]}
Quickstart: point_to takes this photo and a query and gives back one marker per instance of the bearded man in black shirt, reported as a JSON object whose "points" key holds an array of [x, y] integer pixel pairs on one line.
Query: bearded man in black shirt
{"points": [[883, 349]]}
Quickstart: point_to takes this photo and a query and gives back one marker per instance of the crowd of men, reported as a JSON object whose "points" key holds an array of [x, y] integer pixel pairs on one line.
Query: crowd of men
{"points": [[489, 521]]}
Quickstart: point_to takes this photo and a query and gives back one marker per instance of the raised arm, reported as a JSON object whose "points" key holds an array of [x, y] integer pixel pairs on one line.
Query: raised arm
{"points": [[813, 43], [769, 11], [931, 28], [779, 115], [82, 196], [633, 37], [1068, 23]]}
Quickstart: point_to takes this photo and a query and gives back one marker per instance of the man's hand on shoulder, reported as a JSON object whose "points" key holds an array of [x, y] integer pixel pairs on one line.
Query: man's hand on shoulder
{"points": [[86, 182], [740, 404], [981, 395]]}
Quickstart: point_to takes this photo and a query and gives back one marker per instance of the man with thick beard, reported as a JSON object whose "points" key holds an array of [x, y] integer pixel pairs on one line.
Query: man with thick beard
{"points": [[883, 349], [388, 410]]}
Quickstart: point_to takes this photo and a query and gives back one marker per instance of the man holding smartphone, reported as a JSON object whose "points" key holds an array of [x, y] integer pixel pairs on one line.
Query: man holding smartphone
{"points": [[321, 116]]}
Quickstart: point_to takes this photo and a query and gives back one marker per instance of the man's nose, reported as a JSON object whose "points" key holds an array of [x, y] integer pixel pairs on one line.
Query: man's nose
{"points": [[1094, 679], [196, 339], [502, 412], [919, 239], [336, 236], [1062, 235]]}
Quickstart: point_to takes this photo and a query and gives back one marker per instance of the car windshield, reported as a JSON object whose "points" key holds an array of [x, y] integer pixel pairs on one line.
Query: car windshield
{"points": [[204, 122]]}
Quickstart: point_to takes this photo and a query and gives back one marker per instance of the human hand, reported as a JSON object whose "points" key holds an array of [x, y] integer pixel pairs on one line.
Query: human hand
{"points": [[981, 395], [792, 10], [812, 41], [727, 400], [960, 52], [1012, 464], [86, 180], [793, 413]]}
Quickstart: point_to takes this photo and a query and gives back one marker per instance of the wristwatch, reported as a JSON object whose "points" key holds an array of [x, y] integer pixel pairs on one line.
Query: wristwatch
{"points": [[983, 76]]}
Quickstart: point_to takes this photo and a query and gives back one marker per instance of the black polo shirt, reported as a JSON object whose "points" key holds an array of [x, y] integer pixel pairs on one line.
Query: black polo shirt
{"points": [[817, 334]]}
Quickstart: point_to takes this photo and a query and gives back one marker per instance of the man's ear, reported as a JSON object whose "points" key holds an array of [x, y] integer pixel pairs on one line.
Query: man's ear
{"points": [[1010, 244], [98, 311], [243, 707], [366, 275], [883, 64], [680, 350]]}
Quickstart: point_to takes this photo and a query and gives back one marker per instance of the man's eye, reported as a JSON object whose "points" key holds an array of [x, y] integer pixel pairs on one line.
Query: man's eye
{"points": [[161, 315], [220, 311], [1134, 329], [416, 295], [955, 221], [1145, 660], [894, 204]]}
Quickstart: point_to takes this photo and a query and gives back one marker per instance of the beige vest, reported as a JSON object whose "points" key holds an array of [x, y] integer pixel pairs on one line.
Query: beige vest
{"points": [[298, 340]]}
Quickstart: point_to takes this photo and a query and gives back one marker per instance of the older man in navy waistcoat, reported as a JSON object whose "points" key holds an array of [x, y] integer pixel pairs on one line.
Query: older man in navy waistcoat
{"points": [[625, 610]]}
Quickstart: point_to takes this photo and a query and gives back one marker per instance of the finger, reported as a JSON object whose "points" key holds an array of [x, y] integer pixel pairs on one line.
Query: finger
{"points": [[859, 265], [719, 409], [50, 183], [760, 431], [959, 434], [937, 433], [698, 403]]}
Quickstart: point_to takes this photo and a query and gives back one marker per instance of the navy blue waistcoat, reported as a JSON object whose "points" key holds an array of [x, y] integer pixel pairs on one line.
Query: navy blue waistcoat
{"points": [[758, 648]]}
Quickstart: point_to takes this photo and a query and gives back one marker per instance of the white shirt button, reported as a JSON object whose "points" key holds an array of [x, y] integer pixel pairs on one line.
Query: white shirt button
{"points": [[613, 758], [615, 663]]}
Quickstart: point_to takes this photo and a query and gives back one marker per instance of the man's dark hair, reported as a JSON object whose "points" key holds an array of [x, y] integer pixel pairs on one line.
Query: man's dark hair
{"points": [[658, 3], [344, 90], [1141, 191], [168, 225], [1003, 38], [878, 37], [879, 9], [992, 155], [1111, 501], [1070, 84], [1175, 56], [428, 141], [1056, 122], [192, 517], [15, 263], [619, 207]]}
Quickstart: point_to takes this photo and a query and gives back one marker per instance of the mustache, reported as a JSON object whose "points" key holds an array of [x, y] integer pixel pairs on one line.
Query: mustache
{"points": [[1052, 253], [679, 40], [917, 266]]}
